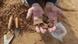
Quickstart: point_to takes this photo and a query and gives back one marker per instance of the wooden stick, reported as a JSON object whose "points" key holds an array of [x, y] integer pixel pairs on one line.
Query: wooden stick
{"points": [[10, 21], [16, 22]]}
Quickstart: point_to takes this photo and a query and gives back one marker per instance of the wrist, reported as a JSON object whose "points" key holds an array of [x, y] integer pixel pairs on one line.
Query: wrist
{"points": [[49, 4], [35, 4]]}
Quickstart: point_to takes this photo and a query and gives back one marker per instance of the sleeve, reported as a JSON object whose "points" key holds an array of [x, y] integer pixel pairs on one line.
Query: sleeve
{"points": [[30, 2], [53, 1]]}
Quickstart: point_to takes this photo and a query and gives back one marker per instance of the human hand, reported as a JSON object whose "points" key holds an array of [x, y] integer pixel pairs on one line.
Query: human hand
{"points": [[51, 12], [37, 12]]}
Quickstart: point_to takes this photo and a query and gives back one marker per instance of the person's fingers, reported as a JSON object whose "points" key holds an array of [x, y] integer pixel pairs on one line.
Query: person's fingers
{"points": [[52, 29], [44, 26], [45, 30], [29, 13], [37, 29], [42, 30]]}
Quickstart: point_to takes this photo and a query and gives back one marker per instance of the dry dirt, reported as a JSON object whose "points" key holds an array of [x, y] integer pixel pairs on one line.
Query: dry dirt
{"points": [[14, 7]]}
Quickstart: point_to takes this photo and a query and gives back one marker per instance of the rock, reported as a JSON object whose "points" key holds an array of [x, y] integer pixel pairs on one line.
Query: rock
{"points": [[8, 37], [60, 32]]}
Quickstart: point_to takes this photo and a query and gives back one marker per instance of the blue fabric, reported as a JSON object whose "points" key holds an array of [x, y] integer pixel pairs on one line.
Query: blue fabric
{"points": [[30, 2], [53, 1]]}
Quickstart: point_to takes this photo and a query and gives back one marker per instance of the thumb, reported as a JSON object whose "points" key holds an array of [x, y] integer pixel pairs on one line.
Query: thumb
{"points": [[29, 13]]}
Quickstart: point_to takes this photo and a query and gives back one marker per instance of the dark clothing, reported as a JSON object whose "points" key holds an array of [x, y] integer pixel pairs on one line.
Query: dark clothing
{"points": [[41, 2]]}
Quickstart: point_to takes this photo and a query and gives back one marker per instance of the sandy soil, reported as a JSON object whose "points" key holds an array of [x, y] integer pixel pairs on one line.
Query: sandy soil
{"points": [[31, 37]]}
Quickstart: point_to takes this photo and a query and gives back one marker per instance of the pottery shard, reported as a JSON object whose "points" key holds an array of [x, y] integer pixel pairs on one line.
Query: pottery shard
{"points": [[68, 4]]}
